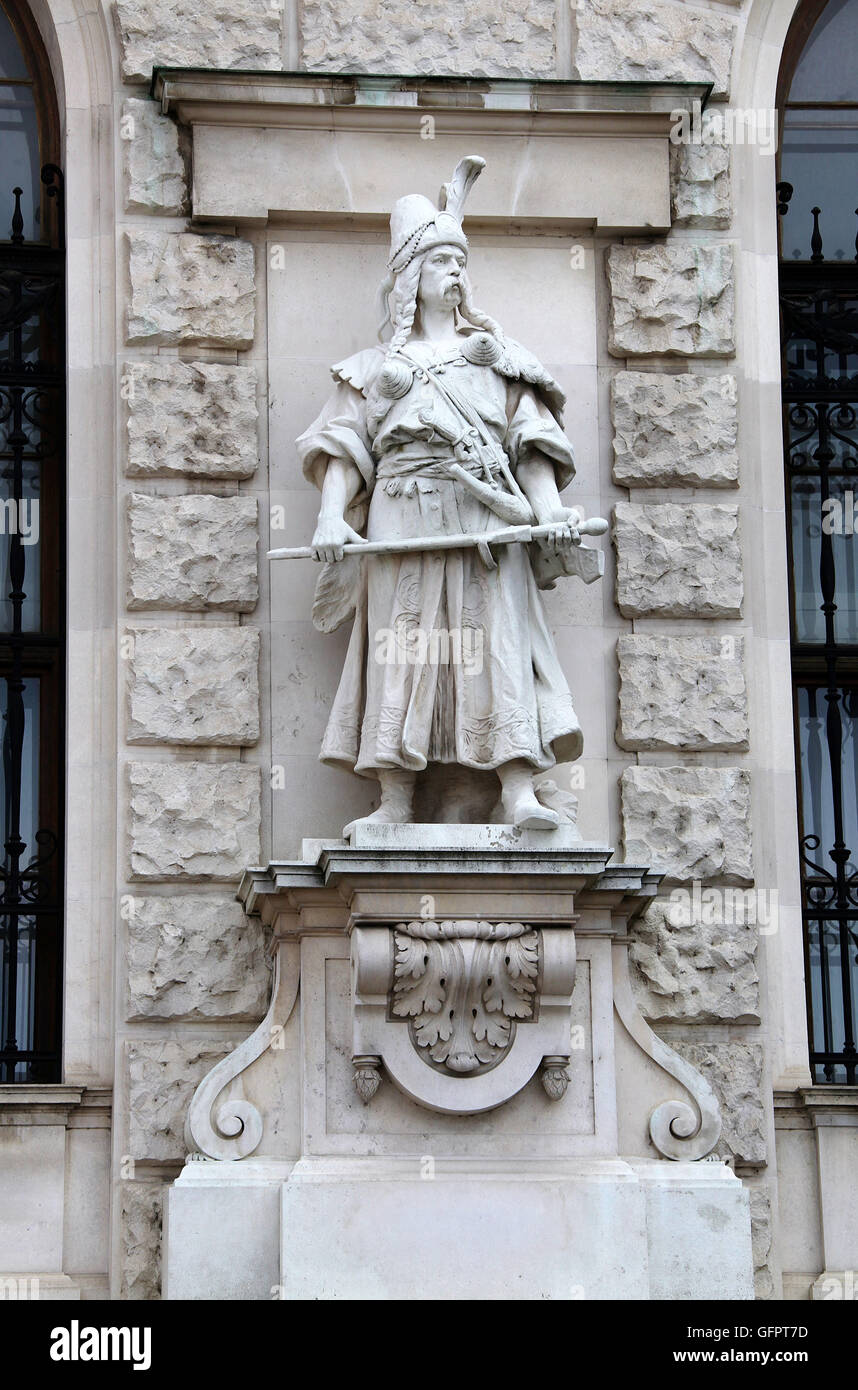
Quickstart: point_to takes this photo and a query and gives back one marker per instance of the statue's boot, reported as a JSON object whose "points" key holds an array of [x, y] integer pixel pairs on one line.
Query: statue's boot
{"points": [[397, 797], [518, 799]]}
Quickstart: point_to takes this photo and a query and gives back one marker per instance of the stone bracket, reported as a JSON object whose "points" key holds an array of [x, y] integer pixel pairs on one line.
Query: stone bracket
{"points": [[236, 1130], [462, 1013], [676, 1130]]}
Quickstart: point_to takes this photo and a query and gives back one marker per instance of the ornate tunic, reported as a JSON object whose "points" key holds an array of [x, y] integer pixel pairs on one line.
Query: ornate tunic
{"points": [[449, 661]]}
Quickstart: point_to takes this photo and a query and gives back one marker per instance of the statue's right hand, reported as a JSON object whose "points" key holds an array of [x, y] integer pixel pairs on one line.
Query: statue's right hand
{"points": [[332, 533]]}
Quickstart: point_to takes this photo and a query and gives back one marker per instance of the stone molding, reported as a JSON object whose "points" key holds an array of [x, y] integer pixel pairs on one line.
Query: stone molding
{"points": [[75, 1107]]}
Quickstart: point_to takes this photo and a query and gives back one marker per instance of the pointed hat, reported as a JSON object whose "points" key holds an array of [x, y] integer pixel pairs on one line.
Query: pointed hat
{"points": [[416, 224]]}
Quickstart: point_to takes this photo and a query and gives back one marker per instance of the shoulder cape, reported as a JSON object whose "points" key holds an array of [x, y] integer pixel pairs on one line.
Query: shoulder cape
{"points": [[515, 363]]}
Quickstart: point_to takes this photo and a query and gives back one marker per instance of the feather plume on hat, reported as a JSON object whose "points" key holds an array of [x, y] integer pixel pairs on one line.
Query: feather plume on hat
{"points": [[416, 224], [453, 194]]}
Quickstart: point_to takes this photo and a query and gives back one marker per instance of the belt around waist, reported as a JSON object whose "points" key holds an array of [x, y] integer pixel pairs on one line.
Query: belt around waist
{"points": [[427, 465]]}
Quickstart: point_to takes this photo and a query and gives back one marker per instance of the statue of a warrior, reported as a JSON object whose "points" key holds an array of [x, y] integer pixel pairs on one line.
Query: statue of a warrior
{"points": [[448, 429]]}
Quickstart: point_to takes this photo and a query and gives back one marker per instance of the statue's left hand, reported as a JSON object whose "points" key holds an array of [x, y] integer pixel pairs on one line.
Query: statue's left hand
{"points": [[564, 522]]}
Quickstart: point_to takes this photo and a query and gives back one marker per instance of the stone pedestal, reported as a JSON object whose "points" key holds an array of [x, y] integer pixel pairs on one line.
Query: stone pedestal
{"points": [[453, 1094]]}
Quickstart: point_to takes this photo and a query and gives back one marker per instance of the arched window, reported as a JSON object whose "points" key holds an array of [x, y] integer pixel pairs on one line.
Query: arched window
{"points": [[32, 519], [817, 197]]}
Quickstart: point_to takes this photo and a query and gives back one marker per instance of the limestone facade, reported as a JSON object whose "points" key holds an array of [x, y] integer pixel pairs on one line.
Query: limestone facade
{"points": [[213, 353]]}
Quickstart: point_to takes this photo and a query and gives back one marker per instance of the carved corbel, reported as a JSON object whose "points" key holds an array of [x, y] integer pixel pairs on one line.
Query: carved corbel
{"points": [[462, 1013]]}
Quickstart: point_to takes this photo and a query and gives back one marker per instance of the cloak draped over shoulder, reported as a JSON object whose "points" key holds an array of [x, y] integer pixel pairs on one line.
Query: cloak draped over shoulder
{"points": [[449, 661]]}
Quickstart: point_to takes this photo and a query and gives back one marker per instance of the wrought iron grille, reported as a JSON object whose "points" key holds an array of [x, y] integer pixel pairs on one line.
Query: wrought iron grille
{"points": [[819, 314], [32, 645]]}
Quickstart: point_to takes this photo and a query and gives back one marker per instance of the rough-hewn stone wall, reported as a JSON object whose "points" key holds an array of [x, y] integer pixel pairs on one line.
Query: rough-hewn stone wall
{"points": [[607, 40], [191, 656], [190, 440]]}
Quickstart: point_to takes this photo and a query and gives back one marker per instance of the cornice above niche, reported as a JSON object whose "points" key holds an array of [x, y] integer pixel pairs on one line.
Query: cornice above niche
{"points": [[580, 157]]}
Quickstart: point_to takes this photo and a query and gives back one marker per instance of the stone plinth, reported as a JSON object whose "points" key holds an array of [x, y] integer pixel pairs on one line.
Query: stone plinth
{"points": [[444, 1116]]}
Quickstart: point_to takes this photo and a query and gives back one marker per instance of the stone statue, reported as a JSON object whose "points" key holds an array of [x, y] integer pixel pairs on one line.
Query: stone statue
{"points": [[444, 435]]}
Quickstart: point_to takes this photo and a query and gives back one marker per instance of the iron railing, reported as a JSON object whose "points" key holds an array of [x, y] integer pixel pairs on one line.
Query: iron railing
{"points": [[819, 316]]}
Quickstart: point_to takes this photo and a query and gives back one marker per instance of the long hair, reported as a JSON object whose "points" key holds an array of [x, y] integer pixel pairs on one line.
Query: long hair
{"points": [[397, 304]]}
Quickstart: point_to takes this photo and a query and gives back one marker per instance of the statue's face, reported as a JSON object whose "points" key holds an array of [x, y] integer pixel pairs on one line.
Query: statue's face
{"points": [[440, 284]]}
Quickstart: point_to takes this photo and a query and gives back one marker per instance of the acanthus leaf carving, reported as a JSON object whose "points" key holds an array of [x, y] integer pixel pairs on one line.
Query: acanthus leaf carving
{"points": [[463, 985]]}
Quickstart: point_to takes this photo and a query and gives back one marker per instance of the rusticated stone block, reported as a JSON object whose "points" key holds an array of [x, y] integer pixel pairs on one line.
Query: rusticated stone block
{"points": [[696, 966], [153, 167], [675, 298], [195, 957], [197, 34], [689, 822], [761, 1241], [193, 820], [193, 552], [618, 41], [681, 692], [140, 1230], [700, 176], [197, 419], [674, 431], [678, 561], [735, 1073], [474, 37], [186, 288], [162, 1078], [193, 685]]}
